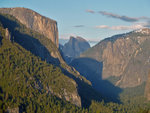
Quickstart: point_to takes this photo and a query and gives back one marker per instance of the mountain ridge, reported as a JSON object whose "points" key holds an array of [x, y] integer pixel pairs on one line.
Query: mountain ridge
{"points": [[117, 52]]}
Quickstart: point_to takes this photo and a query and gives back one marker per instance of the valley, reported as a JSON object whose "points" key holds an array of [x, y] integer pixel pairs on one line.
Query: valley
{"points": [[40, 75]]}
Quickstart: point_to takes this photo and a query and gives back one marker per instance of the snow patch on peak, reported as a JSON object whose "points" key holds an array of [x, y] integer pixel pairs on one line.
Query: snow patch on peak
{"points": [[143, 31]]}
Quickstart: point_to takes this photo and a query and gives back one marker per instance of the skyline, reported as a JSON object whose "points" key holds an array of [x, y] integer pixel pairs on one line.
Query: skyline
{"points": [[92, 20]]}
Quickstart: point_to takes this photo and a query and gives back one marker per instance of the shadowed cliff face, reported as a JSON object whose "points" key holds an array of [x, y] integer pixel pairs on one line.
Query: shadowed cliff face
{"points": [[147, 88], [85, 67], [35, 21], [124, 56], [74, 47]]}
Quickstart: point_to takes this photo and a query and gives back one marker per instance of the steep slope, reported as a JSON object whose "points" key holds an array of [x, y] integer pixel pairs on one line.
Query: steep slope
{"points": [[36, 43], [74, 47], [43, 48], [118, 55], [33, 45], [23, 75], [147, 88], [31, 40], [39, 44], [137, 69], [35, 21]]}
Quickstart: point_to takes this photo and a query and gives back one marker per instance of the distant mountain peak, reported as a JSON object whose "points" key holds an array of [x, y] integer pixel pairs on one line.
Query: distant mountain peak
{"points": [[74, 47]]}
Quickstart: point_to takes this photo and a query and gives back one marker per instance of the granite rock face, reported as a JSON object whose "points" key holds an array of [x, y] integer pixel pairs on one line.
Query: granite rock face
{"points": [[147, 88], [70, 96], [13, 110], [74, 47], [35, 21], [125, 56]]}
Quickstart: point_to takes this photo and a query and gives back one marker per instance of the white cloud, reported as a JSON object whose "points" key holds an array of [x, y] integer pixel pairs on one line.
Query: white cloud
{"points": [[102, 26], [122, 27]]}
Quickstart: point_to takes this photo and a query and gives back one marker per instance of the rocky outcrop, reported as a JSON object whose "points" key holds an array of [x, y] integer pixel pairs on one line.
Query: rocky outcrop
{"points": [[73, 98], [13, 110], [125, 56], [74, 48], [7, 34], [35, 21], [70, 95], [147, 88]]}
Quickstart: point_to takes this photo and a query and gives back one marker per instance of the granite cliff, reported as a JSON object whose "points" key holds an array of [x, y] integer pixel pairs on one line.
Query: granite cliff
{"points": [[35, 21], [125, 57], [74, 47], [147, 88]]}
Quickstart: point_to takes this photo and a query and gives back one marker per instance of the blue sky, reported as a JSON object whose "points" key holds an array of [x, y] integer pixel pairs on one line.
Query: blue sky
{"points": [[91, 19]]}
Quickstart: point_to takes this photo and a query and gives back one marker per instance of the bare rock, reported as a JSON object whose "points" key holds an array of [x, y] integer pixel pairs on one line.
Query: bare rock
{"points": [[35, 21], [147, 88], [13, 110], [125, 56]]}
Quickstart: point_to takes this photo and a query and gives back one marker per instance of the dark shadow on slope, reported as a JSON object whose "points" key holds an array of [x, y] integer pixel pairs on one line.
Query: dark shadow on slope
{"points": [[67, 59], [92, 71], [35, 47], [86, 91], [28, 42]]}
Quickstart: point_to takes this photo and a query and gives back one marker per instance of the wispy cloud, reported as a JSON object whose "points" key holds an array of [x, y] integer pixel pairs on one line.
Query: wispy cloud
{"points": [[122, 27], [103, 27], [121, 17], [124, 18], [77, 26], [137, 22], [90, 11]]}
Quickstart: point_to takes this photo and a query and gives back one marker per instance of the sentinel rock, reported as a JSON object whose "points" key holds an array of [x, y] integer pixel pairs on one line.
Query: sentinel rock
{"points": [[35, 21], [124, 56]]}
